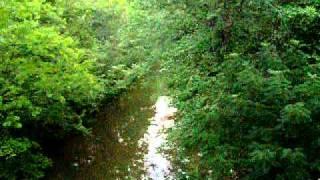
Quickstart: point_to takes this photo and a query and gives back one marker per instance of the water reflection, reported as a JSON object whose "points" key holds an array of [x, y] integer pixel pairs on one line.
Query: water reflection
{"points": [[158, 167], [125, 140]]}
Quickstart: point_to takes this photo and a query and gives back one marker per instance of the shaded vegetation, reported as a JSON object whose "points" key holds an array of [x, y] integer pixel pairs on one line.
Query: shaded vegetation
{"points": [[244, 73], [246, 81]]}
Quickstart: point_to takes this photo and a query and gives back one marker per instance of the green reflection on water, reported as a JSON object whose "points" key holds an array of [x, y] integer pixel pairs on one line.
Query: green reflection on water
{"points": [[113, 152]]}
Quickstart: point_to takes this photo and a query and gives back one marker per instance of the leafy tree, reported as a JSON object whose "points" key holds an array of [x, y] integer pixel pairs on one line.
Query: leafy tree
{"points": [[54, 70], [245, 77]]}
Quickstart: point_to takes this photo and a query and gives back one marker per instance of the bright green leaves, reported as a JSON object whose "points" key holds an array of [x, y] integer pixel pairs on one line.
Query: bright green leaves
{"points": [[295, 114], [4, 13], [24, 10], [58, 59], [13, 111], [12, 121], [48, 45], [301, 16], [46, 64], [12, 147], [46, 81]]}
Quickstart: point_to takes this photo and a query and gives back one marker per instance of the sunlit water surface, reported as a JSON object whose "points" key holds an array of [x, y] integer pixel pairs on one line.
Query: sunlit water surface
{"points": [[126, 139]]}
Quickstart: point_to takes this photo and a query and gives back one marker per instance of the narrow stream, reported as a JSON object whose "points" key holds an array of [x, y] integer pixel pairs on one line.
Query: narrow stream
{"points": [[126, 139]]}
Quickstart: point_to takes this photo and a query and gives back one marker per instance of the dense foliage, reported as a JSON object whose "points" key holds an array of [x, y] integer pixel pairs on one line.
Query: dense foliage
{"points": [[244, 73], [56, 65], [246, 76]]}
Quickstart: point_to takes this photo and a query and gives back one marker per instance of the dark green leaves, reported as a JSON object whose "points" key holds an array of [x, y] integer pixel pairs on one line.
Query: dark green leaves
{"points": [[260, 76]]}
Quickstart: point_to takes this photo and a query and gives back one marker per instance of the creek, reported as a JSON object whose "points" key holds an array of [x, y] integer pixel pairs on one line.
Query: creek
{"points": [[125, 139]]}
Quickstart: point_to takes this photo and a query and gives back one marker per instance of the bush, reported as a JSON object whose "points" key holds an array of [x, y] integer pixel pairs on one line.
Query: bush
{"points": [[246, 81]]}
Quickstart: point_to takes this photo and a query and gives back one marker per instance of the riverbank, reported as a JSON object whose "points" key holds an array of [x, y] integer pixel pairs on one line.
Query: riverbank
{"points": [[125, 140]]}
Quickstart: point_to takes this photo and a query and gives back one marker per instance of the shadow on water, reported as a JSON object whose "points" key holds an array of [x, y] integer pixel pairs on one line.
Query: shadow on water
{"points": [[113, 151]]}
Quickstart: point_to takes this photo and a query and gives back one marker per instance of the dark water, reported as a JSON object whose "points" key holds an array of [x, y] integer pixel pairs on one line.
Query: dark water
{"points": [[114, 150]]}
